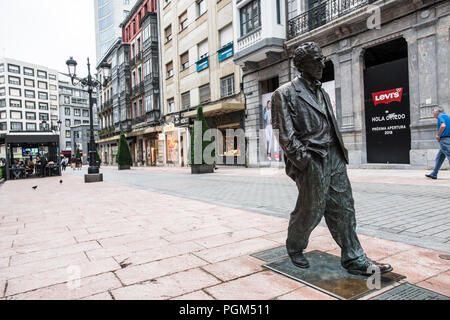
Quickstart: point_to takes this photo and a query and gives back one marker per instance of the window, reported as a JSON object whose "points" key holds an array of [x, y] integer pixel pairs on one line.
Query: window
{"points": [[84, 121], [2, 103], [43, 106], [43, 116], [43, 95], [67, 123], [250, 17], [76, 122], [30, 115], [54, 117], [226, 35], [184, 60], [16, 126], [53, 97], [227, 86], [205, 93], [2, 126], [42, 85], [201, 7], [186, 100], [2, 91], [68, 144], [31, 126], [30, 105], [42, 74], [14, 103], [15, 92], [202, 49], [13, 68], [67, 133], [170, 105], [52, 87], [29, 94], [182, 20], [2, 114], [85, 113], [28, 71], [77, 112], [16, 114], [28, 82], [148, 103], [52, 76], [14, 80], [53, 107], [2, 67], [2, 79], [169, 68], [67, 111], [168, 33]]}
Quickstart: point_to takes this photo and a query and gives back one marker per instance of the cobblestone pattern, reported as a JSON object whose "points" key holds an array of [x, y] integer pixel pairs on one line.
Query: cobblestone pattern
{"points": [[418, 215]]}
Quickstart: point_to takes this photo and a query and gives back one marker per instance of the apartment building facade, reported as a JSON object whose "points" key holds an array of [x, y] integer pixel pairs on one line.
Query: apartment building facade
{"points": [[129, 103], [197, 69], [388, 65], [29, 99], [74, 112], [260, 35]]}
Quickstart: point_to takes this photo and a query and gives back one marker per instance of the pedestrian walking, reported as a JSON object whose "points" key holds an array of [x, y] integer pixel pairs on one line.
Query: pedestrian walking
{"points": [[64, 164], [73, 162], [443, 137]]}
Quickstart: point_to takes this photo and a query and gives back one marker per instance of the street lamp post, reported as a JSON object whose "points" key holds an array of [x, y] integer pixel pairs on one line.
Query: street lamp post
{"points": [[93, 171]]}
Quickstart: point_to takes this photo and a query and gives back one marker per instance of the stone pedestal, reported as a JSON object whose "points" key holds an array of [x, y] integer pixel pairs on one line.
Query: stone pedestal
{"points": [[93, 177]]}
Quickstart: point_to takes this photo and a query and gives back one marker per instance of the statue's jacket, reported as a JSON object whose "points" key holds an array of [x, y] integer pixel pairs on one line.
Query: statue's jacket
{"points": [[303, 126]]}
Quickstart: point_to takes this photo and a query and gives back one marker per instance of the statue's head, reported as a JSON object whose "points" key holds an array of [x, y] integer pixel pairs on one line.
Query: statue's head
{"points": [[308, 60]]}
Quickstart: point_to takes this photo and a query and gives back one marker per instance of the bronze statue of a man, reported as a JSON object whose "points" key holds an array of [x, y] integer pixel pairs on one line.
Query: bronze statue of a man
{"points": [[316, 160]]}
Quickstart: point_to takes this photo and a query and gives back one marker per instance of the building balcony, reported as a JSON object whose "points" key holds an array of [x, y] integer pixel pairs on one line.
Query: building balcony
{"points": [[249, 40], [136, 59], [322, 14], [106, 132], [137, 120], [151, 78], [153, 116], [137, 89]]}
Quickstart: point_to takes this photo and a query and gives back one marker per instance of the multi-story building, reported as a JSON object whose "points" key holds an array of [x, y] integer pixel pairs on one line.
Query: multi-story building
{"points": [[197, 69], [108, 15], [73, 111], [80, 137], [260, 34], [130, 100], [363, 42], [28, 97], [388, 66]]}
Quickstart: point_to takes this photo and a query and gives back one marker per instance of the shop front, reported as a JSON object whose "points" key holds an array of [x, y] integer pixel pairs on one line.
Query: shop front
{"points": [[228, 118], [26, 155]]}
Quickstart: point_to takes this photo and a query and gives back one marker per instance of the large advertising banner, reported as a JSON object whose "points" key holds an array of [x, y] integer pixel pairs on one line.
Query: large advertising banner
{"points": [[269, 148], [387, 112]]}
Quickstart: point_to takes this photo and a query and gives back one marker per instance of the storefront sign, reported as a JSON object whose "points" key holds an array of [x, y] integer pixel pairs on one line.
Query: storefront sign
{"points": [[226, 51], [202, 64], [180, 121], [387, 113], [387, 96]]}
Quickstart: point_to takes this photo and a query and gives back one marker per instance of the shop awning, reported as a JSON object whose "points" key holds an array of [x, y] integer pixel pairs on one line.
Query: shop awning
{"points": [[217, 108], [145, 131]]}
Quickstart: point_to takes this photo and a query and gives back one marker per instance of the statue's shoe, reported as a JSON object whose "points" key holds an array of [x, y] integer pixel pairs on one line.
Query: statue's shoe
{"points": [[299, 260], [368, 267]]}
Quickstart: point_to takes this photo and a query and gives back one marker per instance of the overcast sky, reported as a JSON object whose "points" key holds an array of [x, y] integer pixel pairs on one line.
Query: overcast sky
{"points": [[47, 32]]}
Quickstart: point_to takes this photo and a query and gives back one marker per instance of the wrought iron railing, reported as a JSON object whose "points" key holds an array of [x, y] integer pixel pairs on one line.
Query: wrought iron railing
{"points": [[322, 14]]}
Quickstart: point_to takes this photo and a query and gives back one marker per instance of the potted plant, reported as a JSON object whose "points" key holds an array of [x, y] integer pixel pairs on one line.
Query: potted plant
{"points": [[123, 157], [200, 166]]}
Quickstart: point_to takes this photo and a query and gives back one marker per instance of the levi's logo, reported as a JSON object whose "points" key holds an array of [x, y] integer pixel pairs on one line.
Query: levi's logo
{"points": [[387, 96]]}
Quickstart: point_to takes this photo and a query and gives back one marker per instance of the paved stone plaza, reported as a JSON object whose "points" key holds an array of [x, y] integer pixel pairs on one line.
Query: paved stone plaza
{"points": [[110, 241]]}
